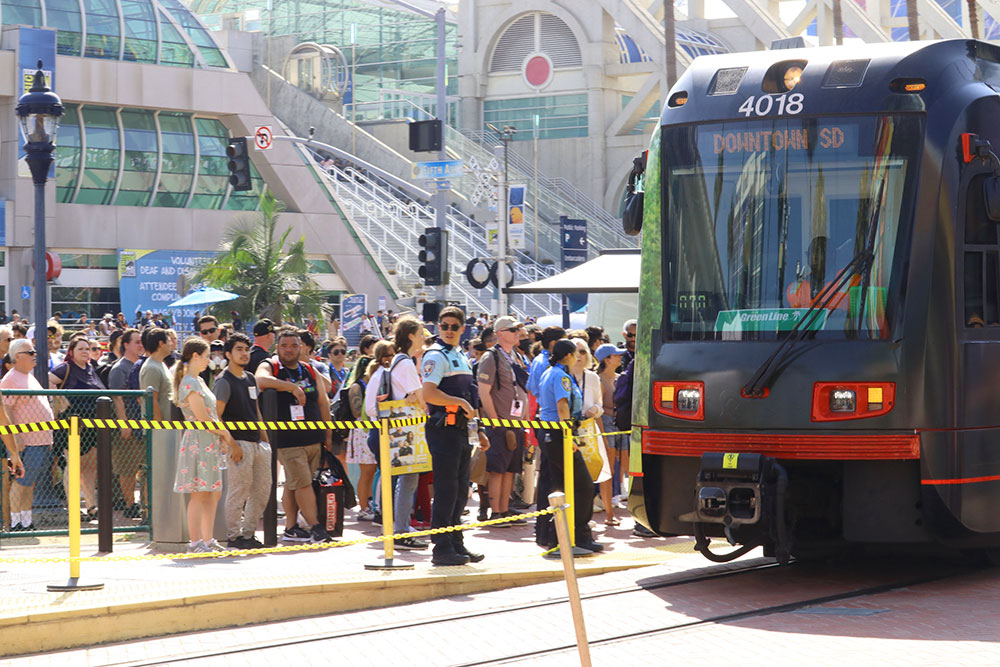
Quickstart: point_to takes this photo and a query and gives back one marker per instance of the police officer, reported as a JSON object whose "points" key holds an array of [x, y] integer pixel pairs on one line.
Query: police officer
{"points": [[452, 400], [560, 399]]}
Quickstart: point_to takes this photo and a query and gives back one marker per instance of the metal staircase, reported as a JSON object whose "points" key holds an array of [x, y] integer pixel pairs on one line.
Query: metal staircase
{"points": [[390, 223]]}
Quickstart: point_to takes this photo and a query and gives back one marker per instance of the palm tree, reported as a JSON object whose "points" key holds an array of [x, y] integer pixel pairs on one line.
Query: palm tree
{"points": [[911, 20], [670, 44], [973, 18], [270, 274]]}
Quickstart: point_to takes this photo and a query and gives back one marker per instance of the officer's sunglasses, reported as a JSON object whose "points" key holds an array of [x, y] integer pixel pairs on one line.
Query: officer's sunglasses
{"points": [[450, 327]]}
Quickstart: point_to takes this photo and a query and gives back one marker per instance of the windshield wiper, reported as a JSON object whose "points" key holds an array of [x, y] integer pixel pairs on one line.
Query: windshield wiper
{"points": [[863, 260]]}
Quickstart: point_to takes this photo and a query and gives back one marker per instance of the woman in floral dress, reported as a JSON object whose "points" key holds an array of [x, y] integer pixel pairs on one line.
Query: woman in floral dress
{"points": [[201, 458]]}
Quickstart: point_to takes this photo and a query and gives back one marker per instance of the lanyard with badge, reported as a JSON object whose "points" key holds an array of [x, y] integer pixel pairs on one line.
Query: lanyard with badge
{"points": [[516, 404], [297, 412]]}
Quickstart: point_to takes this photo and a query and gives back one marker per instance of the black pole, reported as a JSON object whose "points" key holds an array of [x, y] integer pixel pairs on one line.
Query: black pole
{"points": [[39, 298], [268, 409], [105, 479]]}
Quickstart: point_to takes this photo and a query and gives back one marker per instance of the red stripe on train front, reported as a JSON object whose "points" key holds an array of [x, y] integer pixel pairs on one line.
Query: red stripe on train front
{"points": [[839, 446], [961, 480]]}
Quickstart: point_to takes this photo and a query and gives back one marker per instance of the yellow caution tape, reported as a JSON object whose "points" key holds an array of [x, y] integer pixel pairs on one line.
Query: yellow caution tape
{"points": [[34, 427], [273, 550]]}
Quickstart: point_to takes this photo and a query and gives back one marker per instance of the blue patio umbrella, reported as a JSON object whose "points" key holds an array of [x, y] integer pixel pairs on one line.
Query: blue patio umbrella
{"points": [[204, 296]]}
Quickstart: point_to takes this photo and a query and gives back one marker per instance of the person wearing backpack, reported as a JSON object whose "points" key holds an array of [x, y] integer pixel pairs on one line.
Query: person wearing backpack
{"points": [[352, 407], [400, 381], [299, 399]]}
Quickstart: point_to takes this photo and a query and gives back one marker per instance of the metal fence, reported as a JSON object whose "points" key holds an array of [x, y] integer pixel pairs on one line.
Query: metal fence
{"points": [[120, 472]]}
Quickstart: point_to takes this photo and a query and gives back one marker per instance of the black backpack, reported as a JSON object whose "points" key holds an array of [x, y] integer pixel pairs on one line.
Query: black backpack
{"points": [[623, 399]]}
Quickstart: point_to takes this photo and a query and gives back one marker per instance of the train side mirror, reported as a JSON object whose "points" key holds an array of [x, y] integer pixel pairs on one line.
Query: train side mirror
{"points": [[991, 197], [634, 197]]}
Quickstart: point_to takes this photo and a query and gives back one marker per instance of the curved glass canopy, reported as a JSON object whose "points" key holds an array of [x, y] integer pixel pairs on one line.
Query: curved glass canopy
{"points": [[139, 157], [164, 32]]}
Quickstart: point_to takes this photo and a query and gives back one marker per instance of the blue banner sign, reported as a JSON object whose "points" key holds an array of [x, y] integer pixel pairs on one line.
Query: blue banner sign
{"points": [[573, 241], [147, 280], [353, 308]]}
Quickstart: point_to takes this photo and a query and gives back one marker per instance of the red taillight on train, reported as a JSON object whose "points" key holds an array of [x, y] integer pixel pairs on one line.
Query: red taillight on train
{"points": [[681, 400], [840, 401]]}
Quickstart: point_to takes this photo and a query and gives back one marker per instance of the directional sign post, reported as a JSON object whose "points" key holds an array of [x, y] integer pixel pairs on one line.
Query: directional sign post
{"points": [[426, 171], [263, 137]]}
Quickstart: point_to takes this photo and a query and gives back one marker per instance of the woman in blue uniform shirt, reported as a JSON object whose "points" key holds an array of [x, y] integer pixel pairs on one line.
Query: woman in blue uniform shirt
{"points": [[560, 399]]}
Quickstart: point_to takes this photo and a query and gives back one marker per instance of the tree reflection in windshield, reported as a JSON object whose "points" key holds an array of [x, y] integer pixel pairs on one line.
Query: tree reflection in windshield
{"points": [[763, 214]]}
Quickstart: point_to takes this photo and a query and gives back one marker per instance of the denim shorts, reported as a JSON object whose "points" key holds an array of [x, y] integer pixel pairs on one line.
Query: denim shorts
{"points": [[35, 458]]}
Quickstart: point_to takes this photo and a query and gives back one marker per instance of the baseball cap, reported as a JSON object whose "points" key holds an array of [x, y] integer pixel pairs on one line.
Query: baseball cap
{"points": [[506, 322], [606, 350], [263, 327]]}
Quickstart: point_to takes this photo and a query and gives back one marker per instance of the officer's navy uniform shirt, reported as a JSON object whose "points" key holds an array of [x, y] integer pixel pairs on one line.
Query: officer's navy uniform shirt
{"points": [[555, 384], [450, 370]]}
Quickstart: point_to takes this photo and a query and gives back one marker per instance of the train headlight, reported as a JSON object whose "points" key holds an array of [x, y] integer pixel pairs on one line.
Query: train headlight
{"points": [[843, 400], [688, 400], [792, 77]]}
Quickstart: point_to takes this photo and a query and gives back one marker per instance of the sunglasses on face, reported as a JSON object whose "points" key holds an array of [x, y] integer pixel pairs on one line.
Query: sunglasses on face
{"points": [[450, 327], [95, 349], [630, 335], [337, 353], [205, 332], [29, 352]]}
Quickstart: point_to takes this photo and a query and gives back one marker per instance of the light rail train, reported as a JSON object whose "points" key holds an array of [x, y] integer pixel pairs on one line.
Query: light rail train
{"points": [[819, 312]]}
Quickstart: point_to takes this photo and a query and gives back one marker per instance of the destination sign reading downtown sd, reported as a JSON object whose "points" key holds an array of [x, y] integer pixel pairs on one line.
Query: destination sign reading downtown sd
{"points": [[791, 139]]}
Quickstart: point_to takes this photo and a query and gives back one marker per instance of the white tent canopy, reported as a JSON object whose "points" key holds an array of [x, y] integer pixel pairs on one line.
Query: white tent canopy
{"points": [[614, 271]]}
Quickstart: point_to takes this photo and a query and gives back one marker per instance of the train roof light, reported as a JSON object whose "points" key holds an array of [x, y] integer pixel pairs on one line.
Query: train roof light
{"points": [[782, 77], [678, 99], [907, 85]]}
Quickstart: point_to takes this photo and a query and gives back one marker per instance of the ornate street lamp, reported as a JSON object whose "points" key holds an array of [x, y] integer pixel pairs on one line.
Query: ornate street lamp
{"points": [[38, 112]]}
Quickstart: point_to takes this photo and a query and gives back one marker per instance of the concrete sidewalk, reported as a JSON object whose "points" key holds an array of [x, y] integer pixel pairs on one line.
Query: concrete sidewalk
{"points": [[144, 597]]}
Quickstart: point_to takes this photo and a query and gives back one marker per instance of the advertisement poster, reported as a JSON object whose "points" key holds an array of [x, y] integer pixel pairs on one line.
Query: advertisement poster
{"points": [[515, 216], [353, 308], [147, 280], [407, 444]]}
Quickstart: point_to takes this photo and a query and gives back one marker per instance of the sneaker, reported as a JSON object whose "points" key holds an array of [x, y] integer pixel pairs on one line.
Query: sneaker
{"points": [[133, 511], [377, 519], [502, 524], [295, 534], [641, 531], [318, 535], [197, 548], [516, 522], [213, 545], [366, 514], [252, 543], [483, 514], [471, 555], [17, 527], [237, 543], [409, 544], [517, 504]]}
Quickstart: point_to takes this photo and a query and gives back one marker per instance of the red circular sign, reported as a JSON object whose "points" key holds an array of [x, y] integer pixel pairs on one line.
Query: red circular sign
{"points": [[537, 71]]}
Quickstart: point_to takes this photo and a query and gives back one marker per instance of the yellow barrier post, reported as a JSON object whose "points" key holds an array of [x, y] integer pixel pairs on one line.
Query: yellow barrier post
{"points": [[569, 487], [557, 502], [386, 486], [73, 508]]}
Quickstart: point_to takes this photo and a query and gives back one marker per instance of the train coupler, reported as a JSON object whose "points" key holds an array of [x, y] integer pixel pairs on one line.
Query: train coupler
{"points": [[745, 494]]}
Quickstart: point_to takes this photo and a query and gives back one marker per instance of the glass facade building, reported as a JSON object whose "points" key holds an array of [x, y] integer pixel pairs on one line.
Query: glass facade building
{"points": [[385, 49], [146, 31], [139, 157]]}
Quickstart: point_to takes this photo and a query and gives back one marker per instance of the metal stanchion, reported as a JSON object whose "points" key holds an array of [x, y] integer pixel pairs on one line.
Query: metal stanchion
{"points": [[105, 480], [569, 485], [557, 501], [386, 485], [268, 408], [73, 506]]}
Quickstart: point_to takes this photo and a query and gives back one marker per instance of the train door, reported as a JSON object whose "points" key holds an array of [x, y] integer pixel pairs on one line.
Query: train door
{"points": [[976, 454]]}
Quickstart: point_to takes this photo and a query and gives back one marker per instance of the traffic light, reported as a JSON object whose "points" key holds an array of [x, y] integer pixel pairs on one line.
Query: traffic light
{"points": [[239, 164], [425, 135], [434, 256]]}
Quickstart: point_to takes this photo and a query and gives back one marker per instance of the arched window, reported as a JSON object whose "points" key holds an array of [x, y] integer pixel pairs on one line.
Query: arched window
{"points": [[536, 32]]}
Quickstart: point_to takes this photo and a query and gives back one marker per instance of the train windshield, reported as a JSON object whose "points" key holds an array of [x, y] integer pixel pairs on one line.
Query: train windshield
{"points": [[764, 214]]}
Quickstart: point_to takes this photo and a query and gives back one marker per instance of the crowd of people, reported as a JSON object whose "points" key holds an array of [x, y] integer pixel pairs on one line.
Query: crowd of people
{"points": [[471, 368]]}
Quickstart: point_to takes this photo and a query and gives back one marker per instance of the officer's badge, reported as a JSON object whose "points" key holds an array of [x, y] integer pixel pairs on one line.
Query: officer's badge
{"points": [[565, 383], [428, 367]]}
